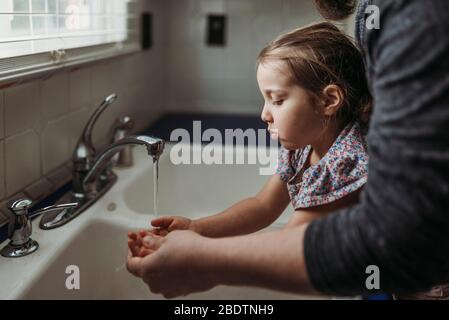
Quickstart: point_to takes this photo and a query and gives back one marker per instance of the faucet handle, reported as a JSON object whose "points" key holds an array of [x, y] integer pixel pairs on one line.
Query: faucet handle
{"points": [[20, 228], [19, 231], [122, 127], [54, 208], [20, 207], [125, 122]]}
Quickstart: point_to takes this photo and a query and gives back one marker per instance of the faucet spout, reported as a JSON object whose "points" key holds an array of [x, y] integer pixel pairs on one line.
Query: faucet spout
{"points": [[92, 174], [155, 147], [85, 150]]}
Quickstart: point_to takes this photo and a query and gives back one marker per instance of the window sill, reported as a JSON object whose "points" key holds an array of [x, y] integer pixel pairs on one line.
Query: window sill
{"points": [[35, 66]]}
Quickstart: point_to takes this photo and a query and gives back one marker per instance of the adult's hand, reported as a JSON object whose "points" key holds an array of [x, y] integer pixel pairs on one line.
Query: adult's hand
{"points": [[177, 266], [185, 262]]}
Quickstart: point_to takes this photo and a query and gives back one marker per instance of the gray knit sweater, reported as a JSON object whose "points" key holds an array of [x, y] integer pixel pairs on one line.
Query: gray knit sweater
{"points": [[401, 224]]}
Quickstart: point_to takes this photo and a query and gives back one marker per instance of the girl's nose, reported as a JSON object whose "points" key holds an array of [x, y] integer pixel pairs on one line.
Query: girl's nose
{"points": [[266, 115]]}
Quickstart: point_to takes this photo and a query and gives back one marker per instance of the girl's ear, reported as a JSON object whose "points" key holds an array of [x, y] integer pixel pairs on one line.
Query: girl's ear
{"points": [[333, 100]]}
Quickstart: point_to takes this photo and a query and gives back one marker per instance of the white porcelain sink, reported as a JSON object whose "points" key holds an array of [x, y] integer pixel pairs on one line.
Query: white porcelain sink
{"points": [[196, 190], [99, 252], [95, 241]]}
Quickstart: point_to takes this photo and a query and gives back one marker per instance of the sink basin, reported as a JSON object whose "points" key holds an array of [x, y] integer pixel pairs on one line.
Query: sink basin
{"points": [[99, 251], [196, 190], [96, 241]]}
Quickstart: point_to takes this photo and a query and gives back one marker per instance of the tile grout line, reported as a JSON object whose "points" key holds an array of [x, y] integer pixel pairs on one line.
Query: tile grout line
{"points": [[4, 144]]}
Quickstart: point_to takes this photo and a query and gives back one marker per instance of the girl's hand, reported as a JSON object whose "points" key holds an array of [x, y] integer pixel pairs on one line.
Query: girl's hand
{"points": [[136, 244], [164, 225]]}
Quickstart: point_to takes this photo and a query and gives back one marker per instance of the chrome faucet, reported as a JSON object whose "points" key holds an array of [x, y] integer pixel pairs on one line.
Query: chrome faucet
{"points": [[20, 230], [84, 152], [155, 147], [121, 129], [92, 173]]}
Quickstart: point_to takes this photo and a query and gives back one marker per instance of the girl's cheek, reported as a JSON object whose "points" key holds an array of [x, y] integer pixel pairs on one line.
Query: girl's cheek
{"points": [[281, 120]]}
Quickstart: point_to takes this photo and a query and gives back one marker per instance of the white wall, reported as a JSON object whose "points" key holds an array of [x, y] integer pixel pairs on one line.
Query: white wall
{"points": [[214, 79], [223, 80]]}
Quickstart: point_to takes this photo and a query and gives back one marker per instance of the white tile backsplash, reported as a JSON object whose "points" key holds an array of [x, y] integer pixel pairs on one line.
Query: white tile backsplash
{"points": [[217, 6], [2, 169], [80, 88], [22, 156], [55, 144], [207, 66], [22, 107], [350, 25], [102, 82], [55, 96], [134, 70], [116, 70], [267, 21], [240, 64], [224, 76], [2, 115], [300, 13], [4, 217], [244, 91], [77, 121], [39, 189], [59, 176]]}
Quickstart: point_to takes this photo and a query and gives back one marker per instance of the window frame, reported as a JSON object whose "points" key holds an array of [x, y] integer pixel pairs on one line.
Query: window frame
{"points": [[32, 65]]}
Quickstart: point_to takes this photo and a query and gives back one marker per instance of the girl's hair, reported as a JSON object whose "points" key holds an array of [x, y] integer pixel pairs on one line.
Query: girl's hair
{"points": [[320, 55]]}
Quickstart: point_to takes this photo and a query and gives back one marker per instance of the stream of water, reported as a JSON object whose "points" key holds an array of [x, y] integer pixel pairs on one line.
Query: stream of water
{"points": [[155, 184]]}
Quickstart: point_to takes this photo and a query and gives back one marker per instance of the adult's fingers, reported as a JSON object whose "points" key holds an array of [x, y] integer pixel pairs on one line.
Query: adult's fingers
{"points": [[134, 264], [143, 252], [133, 247]]}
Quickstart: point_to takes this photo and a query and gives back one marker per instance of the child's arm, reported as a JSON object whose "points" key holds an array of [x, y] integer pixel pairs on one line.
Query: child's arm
{"points": [[246, 216], [308, 215]]}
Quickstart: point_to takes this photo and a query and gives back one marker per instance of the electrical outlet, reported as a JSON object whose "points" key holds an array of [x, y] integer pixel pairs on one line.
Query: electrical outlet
{"points": [[216, 30], [147, 30]]}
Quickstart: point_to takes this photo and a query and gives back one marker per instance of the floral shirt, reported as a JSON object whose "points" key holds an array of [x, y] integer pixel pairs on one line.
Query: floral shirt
{"points": [[342, 170]]}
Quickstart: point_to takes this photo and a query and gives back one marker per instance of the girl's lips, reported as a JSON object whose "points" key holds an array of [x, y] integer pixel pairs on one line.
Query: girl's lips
{"points": [[274, 134]]}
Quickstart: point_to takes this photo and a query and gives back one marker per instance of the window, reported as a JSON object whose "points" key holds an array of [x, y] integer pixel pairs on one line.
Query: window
{"points": [[42, 33]]}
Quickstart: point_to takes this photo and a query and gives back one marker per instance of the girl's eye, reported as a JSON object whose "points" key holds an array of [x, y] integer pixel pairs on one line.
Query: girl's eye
{"points": [[278, 102]]}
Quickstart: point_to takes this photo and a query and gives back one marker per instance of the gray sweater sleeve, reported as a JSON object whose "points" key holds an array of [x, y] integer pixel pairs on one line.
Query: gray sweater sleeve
{"points": [[401, 224]]}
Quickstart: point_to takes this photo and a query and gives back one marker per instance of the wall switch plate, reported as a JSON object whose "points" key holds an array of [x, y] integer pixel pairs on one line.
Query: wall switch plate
{"points": [[216, 30], [147, 30]]}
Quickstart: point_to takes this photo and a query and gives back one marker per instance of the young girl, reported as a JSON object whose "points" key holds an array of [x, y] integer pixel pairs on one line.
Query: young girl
{"points": [[317, 104]]}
